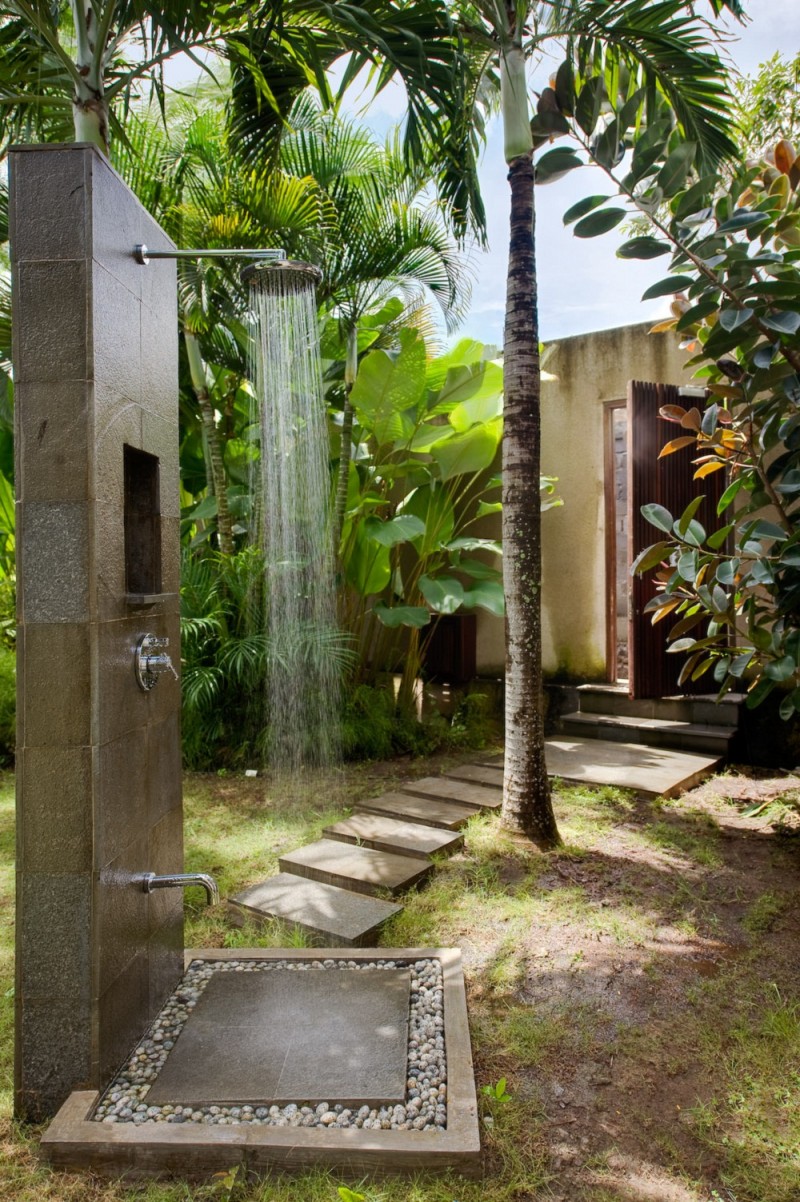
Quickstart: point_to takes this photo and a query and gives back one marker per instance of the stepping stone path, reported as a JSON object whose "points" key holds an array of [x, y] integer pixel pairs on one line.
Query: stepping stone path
{"points": [[336, 889]]}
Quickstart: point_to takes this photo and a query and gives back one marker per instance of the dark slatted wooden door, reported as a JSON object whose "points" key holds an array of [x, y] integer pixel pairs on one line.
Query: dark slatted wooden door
{"points": [[668, 482]]}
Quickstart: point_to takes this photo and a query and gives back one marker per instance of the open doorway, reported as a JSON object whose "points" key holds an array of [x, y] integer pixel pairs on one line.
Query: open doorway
{"points": [[615, 427]]}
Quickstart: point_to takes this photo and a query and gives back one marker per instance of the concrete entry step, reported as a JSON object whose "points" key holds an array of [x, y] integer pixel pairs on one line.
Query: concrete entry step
{"points": [[479, 797], [358, 868], [451, 815], [478, 774], [655, 732], [390, 834], [334, 916], [699, 707], [650, 771]]}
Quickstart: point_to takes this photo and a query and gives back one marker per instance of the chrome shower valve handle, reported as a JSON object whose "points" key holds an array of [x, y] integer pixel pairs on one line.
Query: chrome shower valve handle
{"points": [[151, 661]]}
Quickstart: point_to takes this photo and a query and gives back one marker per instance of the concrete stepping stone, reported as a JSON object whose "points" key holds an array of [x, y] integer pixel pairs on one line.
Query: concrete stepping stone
{"points": [[361, 869], [480, 797], [651, 771], [451, 815], [390, 834], [332, 916], [478, 774]]}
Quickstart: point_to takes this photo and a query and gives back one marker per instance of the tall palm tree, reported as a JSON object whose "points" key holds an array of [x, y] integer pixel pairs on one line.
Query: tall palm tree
{"points": [[662, 48]]}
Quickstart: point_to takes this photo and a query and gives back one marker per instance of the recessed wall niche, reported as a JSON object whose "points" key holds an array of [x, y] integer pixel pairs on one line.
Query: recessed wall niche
{"points": [[142, 523]]}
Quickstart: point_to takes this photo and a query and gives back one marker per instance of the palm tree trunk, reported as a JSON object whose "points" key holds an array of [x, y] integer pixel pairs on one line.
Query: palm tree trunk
{"points": [[527, 805], [89, 105], [218, 480]]}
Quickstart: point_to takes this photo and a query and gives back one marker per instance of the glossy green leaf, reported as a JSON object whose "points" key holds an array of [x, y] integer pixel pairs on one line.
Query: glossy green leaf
{"points": [[402, 615], [599, 223], [475, 544], [643, 248], [400, 529], [444, 594], [480, 409], [673, 174], [432, 505], [555, 163], [486, 594], [658, 516], [368, 567], [742, 220], [650, 557], [668, 286], [467, 453], [784, 323], [583, 207], [731, 319]]}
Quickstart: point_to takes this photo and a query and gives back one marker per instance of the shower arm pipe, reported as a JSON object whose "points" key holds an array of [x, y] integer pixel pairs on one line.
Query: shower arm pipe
{"points": [[142, 254]]}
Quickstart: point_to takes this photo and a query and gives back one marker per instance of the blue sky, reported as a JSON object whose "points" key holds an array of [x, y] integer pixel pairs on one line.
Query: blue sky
{"points": [[582, 284]]}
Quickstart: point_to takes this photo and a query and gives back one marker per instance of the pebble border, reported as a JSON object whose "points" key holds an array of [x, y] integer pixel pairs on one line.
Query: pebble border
{"points": [[425, 1108]]}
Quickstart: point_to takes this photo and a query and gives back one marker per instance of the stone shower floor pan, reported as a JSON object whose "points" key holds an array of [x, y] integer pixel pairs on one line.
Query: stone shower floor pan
{"points": [[237, 1067]]}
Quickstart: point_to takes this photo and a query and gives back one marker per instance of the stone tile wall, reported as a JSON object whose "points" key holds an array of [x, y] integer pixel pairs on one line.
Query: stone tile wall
{"points": [[99, 791]]}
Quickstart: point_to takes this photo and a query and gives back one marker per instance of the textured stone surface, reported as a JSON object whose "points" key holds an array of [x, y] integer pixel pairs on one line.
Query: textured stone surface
{"points": [[427, 810], [54, 562], [390, 834], [342, 918], [285, 1036], [653, 771], [477, 796], [359, 868]]}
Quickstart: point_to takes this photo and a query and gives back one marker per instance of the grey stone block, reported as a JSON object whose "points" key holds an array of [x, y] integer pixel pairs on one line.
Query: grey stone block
{"points": [[160, 438], [477, 774], [164, 856], [117, 227], [164, 963], [55, 562], [124, 706], [55, 935], [117, 335], [480, 797], [48, 205], [55, 671], [449, 814], [159, 355], [54, 1053], [55, 789], [390, 834], [121, 1016], [282, 1036], [121, 796], [51, 322], [164, 768], [121, 922], [53, 452]]}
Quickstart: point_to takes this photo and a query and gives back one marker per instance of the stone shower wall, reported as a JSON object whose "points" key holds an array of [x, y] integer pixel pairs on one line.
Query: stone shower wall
{"points": [[98, 784]]}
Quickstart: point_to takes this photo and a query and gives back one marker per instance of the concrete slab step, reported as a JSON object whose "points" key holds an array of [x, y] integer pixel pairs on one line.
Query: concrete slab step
{"points": [[333, 917], [390, 834], [480, 797], [655, 732], [702, 708], [361, 869], [450, 815], [650, 771], [478, 774]]}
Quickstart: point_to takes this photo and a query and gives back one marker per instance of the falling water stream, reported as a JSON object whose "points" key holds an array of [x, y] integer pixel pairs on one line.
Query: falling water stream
{"points": [[290, 491]]}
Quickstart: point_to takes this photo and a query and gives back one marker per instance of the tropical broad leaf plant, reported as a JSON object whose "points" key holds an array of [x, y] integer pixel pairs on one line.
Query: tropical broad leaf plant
{"points": [[735, 289], [427, 434]]}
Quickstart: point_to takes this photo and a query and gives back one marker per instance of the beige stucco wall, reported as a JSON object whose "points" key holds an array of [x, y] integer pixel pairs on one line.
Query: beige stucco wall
{"points": [[591, 370]]}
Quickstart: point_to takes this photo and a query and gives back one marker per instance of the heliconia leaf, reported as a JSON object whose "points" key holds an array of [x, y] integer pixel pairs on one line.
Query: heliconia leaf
{"points": [[643, 248], [658, 516], [444, 594], [599, 223], [672, 284], [487, 594], [583, 207], [676, 444], [706, 469], [402, 615], [400, 529]]}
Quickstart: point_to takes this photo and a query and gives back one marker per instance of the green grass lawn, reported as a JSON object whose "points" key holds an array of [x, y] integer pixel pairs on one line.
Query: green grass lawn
{"points": [[638, 990]]}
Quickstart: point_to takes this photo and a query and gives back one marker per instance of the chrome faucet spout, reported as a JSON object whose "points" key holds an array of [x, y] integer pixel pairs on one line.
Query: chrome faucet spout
{"points": [[182, 880]]}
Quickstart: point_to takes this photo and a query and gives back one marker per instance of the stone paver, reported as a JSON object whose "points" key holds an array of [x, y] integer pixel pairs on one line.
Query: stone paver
{"points": [[479, 797], [336, 916], [359, 868], [390, 834], [651, 771], [448, 814], [285, 1036], [478, 774]]}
